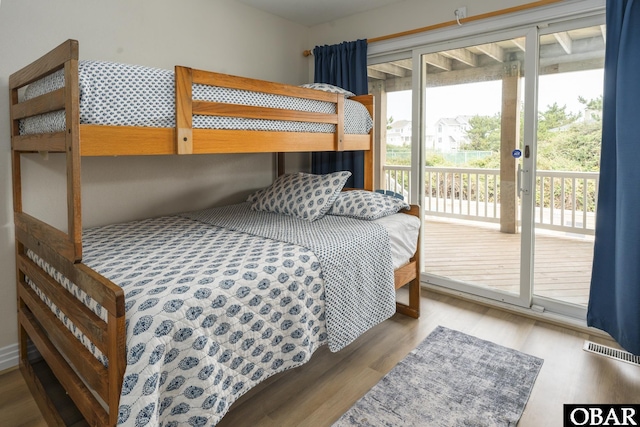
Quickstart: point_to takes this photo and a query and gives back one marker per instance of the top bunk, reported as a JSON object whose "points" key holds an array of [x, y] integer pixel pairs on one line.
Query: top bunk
{"points": [[186, 111], [52, 97]]}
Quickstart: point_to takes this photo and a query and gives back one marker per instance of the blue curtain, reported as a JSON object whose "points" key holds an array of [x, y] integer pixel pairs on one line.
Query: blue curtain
{"points": [[614, 302], [343, 65]]}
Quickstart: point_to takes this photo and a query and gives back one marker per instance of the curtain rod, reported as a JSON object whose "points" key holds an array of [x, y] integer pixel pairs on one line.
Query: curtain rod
{"points": [[493, 14]]}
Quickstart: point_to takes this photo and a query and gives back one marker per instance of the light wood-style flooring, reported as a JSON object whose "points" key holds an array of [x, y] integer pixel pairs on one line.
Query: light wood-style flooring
{"points": [[317, 393], [480, 254]]}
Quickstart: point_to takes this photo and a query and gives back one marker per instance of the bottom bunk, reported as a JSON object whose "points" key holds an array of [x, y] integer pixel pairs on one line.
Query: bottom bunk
{"points": [[208, 304]]}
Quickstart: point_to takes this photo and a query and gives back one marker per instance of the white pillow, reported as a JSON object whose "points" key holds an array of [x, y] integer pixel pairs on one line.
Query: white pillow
{"points": [[367, 205], [302, 195], [329, 88]]}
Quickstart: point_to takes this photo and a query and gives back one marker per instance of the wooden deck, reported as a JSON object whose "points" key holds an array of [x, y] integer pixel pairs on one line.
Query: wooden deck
{"points": [[478, 253]]}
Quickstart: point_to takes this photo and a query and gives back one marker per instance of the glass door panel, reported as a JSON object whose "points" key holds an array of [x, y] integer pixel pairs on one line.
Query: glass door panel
{"points": [[472, 98], [390, 83], [571, 65]]}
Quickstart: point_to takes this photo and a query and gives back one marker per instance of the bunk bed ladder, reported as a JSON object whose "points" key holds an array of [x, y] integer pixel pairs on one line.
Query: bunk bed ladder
{"points": [[80, 373]]}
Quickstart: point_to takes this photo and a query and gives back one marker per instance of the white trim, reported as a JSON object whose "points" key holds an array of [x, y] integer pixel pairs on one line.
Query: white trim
{"points": [[9, 357], [533, 313], [548, 14]]}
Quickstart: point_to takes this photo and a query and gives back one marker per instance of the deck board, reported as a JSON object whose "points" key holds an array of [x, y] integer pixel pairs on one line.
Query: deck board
{"points": [[481, 254]]}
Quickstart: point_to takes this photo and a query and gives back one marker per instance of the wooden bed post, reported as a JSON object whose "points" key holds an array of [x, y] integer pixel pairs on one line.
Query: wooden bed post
{"points": [[369, 155], [72, 147], [184, 110]]}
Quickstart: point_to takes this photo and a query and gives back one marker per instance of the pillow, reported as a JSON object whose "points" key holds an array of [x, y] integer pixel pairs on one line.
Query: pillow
{"points": [[255, 195], [329, 88], [302, 195], [367, 205]]}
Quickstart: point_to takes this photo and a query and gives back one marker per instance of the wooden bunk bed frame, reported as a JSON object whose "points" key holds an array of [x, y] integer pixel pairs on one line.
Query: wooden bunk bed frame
{"points": [[94, 388]]}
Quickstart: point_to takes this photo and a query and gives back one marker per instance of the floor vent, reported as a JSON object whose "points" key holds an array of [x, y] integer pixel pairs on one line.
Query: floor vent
{"points": [[611, 352]]}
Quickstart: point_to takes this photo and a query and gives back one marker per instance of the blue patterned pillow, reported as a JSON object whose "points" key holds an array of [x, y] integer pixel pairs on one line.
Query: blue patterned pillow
{"points": [[302, 195], [329, 88], [367, 205]]}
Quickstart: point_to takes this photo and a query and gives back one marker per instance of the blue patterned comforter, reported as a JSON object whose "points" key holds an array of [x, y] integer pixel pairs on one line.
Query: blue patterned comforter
{"points": [[133, 95], [219, 300]]}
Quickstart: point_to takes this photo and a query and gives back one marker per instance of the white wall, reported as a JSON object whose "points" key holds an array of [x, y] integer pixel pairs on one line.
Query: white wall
{"points": [[399, 17], [218, 35]]}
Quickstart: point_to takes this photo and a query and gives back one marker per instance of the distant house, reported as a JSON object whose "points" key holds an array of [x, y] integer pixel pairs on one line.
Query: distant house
{"points": [[451, 133], [399, 133]]}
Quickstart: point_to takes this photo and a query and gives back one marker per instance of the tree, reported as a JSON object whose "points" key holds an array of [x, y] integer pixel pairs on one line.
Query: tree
{"points": [[484, 133], [564, 141], [594, 106], [555, 117]]}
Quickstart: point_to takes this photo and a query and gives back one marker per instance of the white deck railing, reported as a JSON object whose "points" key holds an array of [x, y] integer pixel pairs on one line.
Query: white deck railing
{"points": [[564, 201]]}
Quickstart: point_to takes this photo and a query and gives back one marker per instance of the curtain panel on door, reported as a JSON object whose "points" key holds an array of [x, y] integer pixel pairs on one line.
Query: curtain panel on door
{"points": [[343, 65], [614, 302]]}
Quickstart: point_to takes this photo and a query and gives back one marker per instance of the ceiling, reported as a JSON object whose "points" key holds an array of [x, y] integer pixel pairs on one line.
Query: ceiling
{"points": [[314, 12], [574, 50]]}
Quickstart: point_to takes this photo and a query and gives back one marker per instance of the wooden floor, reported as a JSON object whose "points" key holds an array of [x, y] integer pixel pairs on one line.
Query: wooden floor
{"points": [[317, 393], [482, 255]]}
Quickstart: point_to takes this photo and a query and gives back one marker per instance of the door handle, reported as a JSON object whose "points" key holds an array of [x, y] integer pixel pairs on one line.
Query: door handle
{"points": [[522, 189]]}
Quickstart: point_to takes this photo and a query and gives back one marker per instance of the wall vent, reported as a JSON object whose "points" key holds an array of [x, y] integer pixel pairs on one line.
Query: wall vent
{"points": [[611, 352]]}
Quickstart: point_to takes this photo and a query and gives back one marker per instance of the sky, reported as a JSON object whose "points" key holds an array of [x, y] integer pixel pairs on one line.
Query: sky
{"points": [[484, 98]]}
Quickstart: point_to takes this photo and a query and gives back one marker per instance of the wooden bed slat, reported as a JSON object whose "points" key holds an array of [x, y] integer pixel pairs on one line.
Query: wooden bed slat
{"points": [[52, 101], [75, 387], [250, 112], [38, 390], [226, 141], [50, 142], [135, 141], [47, 64], [86, 320], [211, 78], [405, 274], [45, 233], [106, 293], [93, 372], [97, 140]]}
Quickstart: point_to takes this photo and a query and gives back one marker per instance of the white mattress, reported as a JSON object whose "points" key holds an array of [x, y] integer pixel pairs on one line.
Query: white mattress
{"points": [[130, 95], [403, 232]]}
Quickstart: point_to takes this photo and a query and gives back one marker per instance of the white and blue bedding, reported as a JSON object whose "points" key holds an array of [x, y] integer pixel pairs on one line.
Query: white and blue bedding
{"points": [[131, 95], [219, 300]]}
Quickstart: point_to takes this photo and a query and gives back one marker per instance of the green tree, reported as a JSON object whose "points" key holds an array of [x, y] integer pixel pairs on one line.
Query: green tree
{"points": [[594, 106], [484, 133], [554, 117], [567, 143]]}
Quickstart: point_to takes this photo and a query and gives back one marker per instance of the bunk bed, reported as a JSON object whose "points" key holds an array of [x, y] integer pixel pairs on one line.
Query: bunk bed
{"points": [[54, 282]]}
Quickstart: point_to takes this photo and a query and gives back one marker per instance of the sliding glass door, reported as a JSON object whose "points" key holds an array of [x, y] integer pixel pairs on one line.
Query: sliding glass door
{"points": [[503, 157], [472, 97]]}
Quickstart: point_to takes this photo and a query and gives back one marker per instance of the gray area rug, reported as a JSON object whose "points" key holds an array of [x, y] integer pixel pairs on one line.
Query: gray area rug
{"points": [[450, 379]]}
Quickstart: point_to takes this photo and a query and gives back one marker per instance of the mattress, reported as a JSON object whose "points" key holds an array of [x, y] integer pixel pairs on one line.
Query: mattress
{"points": [[403, 233], [130, 95], [186, 363]]}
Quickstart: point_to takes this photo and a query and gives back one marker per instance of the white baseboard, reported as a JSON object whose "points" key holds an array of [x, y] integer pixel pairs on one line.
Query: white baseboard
{"points": [[9, 357]]}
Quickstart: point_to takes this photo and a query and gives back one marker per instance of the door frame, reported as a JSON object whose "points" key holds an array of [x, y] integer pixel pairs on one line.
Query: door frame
{"points": [[524, 296]]}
